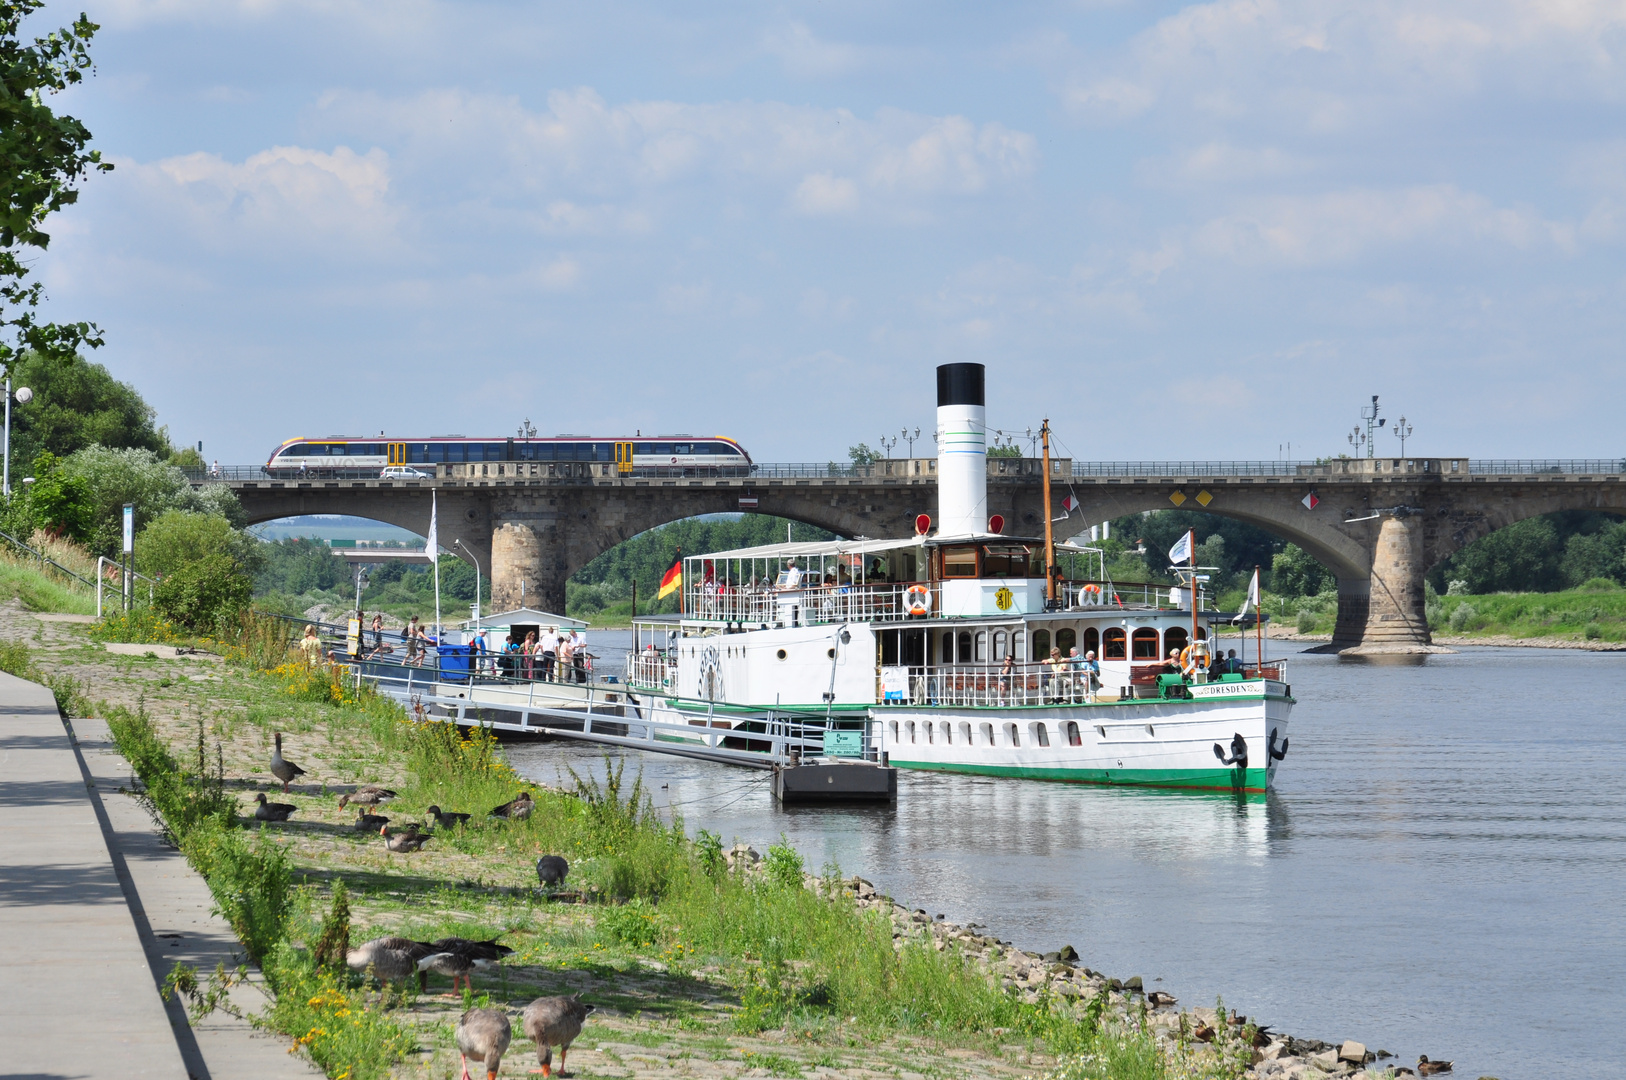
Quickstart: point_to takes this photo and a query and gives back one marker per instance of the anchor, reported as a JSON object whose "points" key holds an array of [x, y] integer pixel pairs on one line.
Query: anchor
{"points": [[1239, 752], [1275, 754]]}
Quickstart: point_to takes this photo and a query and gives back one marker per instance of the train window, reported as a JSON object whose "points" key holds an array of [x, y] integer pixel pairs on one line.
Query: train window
{"points": [[366, 450], [664, 449], [496, 451], [603, 451], [1114, 644], [1145, 644], [643, 448], [682, 449], [452, 451], [298, 450]]}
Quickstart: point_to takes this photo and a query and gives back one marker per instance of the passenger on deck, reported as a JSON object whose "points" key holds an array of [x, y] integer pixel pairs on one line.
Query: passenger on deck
{"points": [[549, 647], [1006, 670], [1055, 673], [1173, 666], [1092, 675]]}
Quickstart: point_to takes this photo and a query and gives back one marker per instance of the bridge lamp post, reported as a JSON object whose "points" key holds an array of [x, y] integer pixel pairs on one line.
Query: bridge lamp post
{"points": [[1402, 431], [1356, 439], [888, 444], [23, 395], [911, 439], [476, 563]]}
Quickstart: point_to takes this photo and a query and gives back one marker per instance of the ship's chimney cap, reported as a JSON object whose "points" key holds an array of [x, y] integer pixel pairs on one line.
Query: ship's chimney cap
{"points": [[959, 384]]}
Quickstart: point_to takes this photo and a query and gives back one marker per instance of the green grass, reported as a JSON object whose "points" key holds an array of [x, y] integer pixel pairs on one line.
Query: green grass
{"points": [[45, 590], [1596, 611]]}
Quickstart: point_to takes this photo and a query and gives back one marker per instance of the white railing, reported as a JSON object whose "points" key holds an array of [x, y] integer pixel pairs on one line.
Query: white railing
{"points": [[994, 686], [812, 604], [650, 670], [127, 580]]}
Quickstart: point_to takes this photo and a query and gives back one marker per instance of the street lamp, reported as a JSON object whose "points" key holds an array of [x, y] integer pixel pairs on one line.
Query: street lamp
{"points": [[23, 395], [1356, 439], [476, 563], [1402, 431], [911, 439], [888, 444]]}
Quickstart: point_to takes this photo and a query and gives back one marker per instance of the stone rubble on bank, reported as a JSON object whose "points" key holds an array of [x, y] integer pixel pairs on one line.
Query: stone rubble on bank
{"points": [[1032, 976]]}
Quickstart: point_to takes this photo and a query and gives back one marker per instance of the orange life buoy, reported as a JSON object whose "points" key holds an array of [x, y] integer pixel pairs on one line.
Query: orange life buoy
{"points": [[1194, 658], [1089, 593], [919, 598]]}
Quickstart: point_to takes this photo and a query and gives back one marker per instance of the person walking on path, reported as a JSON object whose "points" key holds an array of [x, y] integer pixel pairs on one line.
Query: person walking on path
{"points": [[378, 630]]}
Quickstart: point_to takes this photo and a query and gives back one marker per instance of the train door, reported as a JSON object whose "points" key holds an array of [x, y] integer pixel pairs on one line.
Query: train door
{"points": [[397, 453], [623, 458]]}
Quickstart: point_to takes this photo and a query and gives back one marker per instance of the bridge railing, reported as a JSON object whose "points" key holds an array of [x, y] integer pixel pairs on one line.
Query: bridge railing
{"points": [[1559, 466]]}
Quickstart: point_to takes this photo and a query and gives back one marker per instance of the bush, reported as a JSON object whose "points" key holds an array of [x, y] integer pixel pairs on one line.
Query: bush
{"points": [[1593, 631], [177, 538], [1462, 617], [632, 923], [206, 594], [783, 866], [1307, 621]]}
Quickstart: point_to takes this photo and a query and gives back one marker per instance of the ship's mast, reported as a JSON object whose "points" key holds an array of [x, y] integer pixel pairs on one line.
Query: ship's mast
{"points": [[1049, 532]]}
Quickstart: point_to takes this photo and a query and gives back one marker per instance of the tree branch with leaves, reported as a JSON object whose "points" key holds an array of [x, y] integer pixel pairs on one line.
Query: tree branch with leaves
{"points": [[43, 158]]}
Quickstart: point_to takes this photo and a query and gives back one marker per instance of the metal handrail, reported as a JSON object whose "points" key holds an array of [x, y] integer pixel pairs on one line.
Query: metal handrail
{"points": [[100, 559], [44, 558], [1559, 466]]}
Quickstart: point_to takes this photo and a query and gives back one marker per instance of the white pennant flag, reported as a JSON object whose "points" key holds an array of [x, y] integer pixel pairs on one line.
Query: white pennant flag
{"points": [[431, 542], [1181, 552], [1252, 597]]}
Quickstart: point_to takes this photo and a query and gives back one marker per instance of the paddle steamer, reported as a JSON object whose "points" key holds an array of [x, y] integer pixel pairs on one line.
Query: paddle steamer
{"points": [[936, 651]]}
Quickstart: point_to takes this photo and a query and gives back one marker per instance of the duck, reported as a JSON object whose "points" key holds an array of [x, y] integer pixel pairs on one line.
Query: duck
{"points": [[458, 958], [369, 795], [550, 1020], [517, 809], [551, 871], [1426, 1067], [366, 822], [281, 768], [1203, 1033], [391, 959], [403, 842], [272, 811], [483, 1034], [1157, 999], [447, 820]]}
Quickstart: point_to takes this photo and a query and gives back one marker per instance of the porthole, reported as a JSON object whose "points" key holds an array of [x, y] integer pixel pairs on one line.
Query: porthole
{"points": [[831, 653], [780, 654]]}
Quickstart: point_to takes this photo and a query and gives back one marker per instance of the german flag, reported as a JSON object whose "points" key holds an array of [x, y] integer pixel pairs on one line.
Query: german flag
{"points": [[673, 581]]}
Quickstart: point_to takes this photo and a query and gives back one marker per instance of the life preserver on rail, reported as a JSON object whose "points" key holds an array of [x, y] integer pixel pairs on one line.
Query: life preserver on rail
{"points": [[1194, 658], [919, 598], [1089, 593]]}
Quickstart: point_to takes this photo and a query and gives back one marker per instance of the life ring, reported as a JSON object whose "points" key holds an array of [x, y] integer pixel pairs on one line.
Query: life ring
{"points": [[1089, 593], [1194, 658], [919, 598]]}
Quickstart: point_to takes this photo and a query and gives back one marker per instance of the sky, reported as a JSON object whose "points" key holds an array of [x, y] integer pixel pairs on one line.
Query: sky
{"points": [[1180, 232]]}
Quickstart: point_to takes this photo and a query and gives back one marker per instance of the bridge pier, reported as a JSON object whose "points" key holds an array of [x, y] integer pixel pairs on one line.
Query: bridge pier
{"points": [[527, 561], [1385, 612]]}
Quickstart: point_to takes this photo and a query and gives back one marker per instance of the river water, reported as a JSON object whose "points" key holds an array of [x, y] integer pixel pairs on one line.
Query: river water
{"points": [[1441, 868]]}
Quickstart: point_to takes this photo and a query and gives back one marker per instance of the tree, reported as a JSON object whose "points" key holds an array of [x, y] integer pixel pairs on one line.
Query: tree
{"points": [[76, 406], [300, 565], [1294, 573], [116, 477], [862, 454], [43, 157], [204, 593], [178, 538]]}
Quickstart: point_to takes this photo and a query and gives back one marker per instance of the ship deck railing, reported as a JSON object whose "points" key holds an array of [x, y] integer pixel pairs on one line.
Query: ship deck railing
{"points": [[992, 686]]}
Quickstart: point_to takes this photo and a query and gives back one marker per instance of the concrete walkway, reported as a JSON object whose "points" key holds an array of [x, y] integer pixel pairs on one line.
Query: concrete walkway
{"points": [[94, 910]]}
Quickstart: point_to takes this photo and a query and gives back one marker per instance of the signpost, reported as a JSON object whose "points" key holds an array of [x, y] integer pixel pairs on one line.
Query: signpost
{"points": [[129, 550], [843, 744]]}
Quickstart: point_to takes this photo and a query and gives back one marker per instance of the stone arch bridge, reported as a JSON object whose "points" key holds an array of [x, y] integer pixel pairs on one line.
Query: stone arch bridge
{"points": [[1378, 525]]}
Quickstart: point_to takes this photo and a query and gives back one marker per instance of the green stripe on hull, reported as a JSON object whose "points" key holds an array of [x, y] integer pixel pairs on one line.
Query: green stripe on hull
{"points": [[1254, 780]]}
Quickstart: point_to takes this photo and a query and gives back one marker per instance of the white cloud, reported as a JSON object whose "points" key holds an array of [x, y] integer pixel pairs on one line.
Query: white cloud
{"points": [[805, 55], [824, 194]]}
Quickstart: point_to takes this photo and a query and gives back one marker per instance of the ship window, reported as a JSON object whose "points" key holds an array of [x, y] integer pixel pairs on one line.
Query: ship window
{"points": [[948, 733], [1175, 637], [1066, 638], [1114, 644], [1041, 645], [960, 562], [894, 731], [1019, 641], [1011, 561], [928, 728], [910, 728], [1145, 644], [1010, 733], [1000, 638], [1202, 633], [1041, 734], [965, 733], [1092, 640], [987, 734], [965, 647], [948, 649], [1073, 737], [982, 646]]}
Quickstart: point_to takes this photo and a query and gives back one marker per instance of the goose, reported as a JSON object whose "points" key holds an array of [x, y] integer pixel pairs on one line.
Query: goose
{"points": [[366, 822], [483, 1034], [392, 959], [447, 820], [369, 795], [458, 958], [517, 809], [1426, 1067], [404, 842], [552, 1020], [281, 768], [272, 811], [551, 871]]}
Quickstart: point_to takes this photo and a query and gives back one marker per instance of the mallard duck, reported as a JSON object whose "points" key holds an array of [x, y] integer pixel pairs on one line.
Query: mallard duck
{"points": [[484, 1034], [447, 820], [552, 1020], [369, 795], [366, 822], [392, 959], [517, 809], [1426, 1067], [551, 871], [281, 768], [1203, 1033], [272, 811], [403, 842]]}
